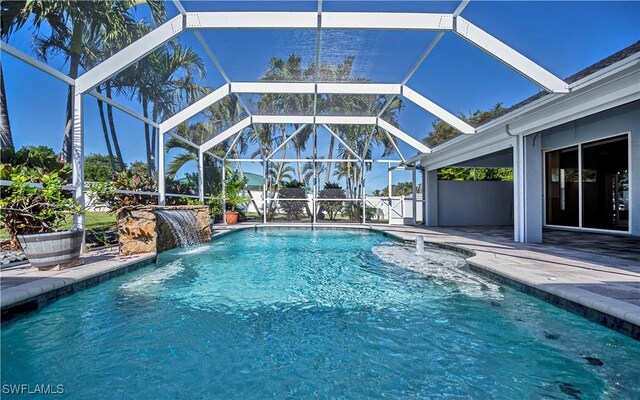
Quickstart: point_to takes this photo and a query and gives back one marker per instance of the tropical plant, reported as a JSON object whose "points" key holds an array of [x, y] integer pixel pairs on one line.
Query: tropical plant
{"points": [[215, 205], [163, 81], [10, 20], [138, 168], [35, 164], [28, 208], [332, 207], [70, 25], [234, 185], [106, 192], [39, 159], [353, 211]]}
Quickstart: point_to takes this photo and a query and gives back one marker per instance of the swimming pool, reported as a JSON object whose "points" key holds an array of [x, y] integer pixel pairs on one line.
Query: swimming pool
{"points": [[308, 314]]}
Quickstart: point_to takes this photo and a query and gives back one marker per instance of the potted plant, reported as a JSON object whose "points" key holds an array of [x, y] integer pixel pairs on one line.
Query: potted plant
{"points": [[33, 208], [215, 207], [234, 198]]}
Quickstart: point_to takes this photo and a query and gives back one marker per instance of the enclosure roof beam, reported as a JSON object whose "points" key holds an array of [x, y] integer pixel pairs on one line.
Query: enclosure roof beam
{"points": [[212, 56], [7, 48], [122, 108], [282, 119], [342, 142], [354, 88], [226, 134], [194, 108], [392, 21], [345, 120], [436, 110], [328, 120], [433, 44], [235, 140], [183, 140], [309, 20], [402, 136], [286, 141], [309, 88], [130, 54], [395, 145], [509, 56]]}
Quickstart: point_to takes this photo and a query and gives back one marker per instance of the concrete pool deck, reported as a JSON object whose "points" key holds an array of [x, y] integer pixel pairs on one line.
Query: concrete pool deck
{"points": [[23, 288], [600, 287]]}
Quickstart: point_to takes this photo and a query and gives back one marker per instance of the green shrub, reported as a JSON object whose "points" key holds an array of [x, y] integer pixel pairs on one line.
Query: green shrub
{"points": [[293, 190], [331, 191]]}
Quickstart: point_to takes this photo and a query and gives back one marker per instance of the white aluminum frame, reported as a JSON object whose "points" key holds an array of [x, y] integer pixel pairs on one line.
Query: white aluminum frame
{"points": [[319, 21]]}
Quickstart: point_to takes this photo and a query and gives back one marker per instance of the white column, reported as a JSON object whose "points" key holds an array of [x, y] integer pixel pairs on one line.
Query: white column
{"points": [[77, 158], [264, 191], [224, 191], [200, 175], [389, 192], [364, 191], [431, 197], [414, 203], [161, 171], [518, 190]]}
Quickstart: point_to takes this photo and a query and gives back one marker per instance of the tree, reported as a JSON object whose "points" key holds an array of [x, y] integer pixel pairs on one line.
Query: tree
{"points": [[10, 20], [67, 27], [138, 168], [398, 189], [97, 168], [442, 132], [69, 22], [163, 81]]}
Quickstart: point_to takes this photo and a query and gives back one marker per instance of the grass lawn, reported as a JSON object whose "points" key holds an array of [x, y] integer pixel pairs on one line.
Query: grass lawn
{"points": [[94, 221]]}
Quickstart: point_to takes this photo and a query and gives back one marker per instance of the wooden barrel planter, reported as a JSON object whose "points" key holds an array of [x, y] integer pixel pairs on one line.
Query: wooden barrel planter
{"points": [[47, 250]]}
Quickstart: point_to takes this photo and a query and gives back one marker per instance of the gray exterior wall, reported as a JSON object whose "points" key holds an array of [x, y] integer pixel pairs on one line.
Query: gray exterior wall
{"points": [[612, 122], [475, 203]]}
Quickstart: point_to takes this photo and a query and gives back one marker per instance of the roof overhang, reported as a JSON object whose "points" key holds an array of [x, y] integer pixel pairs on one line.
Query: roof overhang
{"points": [[610, 87]]}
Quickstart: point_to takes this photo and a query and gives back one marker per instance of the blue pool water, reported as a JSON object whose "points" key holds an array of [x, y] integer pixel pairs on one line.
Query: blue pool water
{"points": [[314, 314]]}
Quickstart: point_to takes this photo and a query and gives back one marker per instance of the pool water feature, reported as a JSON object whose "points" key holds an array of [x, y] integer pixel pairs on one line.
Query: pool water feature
{"points": [[308, 314], [183, 225]]}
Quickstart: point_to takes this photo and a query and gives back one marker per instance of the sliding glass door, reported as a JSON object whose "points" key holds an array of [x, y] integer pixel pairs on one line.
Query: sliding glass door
{"points": [[563, 187], [605, 184], [587, 185]]}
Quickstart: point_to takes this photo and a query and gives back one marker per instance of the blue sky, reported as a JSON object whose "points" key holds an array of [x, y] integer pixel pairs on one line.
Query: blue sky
{"points": [[563, 37]]}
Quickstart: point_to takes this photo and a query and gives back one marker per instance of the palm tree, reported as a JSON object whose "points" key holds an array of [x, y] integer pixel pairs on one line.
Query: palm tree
{"points": [[358, 136], [290, 70], [212, 167], [163, 82], [11, 19], [6, 139], [68, 22]]}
